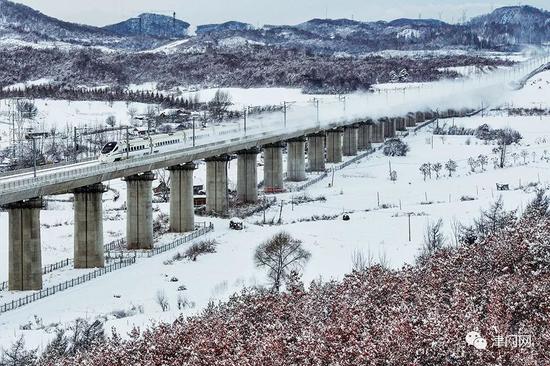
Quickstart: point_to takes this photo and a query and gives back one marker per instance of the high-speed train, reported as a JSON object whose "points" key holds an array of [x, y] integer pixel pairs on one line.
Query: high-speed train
{"points": [[144, 146]]}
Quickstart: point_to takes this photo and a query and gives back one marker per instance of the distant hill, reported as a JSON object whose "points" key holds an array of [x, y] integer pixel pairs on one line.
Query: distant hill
{"points": [[154, 25], [223, 27], [513, 25], [20, 22], [508, 28]]}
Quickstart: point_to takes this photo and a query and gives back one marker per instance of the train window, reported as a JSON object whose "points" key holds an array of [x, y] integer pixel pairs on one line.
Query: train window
{"points": [[108, 148]]}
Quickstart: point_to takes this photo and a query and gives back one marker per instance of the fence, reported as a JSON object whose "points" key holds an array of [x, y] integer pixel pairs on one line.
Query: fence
{"points": [[116, 244], [45, 270], [203, 228], [206, 228], [14, 304], [338, 167]]}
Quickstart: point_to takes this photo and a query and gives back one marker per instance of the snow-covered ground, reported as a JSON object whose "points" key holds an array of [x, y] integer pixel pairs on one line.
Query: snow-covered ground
{"points": [[379, 211]]}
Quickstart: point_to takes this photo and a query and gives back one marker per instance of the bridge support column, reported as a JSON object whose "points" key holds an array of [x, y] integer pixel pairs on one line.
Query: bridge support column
{"points": [[392, 127], [350, 141], [362, 137], [420, 118], [334, 145], [25, 256], [316, 152], [139, 217], [296, 159], [401, 125], [182, 205], [88, 226], [273, 168], [377, 133], [247, 175], [217, 200], [411, 120]]}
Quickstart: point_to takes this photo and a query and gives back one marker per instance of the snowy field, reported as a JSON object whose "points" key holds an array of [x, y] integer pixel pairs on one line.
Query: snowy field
{"points": [[379, 211]]}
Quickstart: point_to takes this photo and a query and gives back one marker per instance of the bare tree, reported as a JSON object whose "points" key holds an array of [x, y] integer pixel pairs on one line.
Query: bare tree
{"points": [[219, 104], [110, 121], [162, 300], [505, 137], [524, 155], [473, 163], [434, 239], [426, 170], [17, 355], [456, 230], [451, 167], [483, 161], [361, 261], [163, 177], [280, 255], [132, 112], [437, 168]]}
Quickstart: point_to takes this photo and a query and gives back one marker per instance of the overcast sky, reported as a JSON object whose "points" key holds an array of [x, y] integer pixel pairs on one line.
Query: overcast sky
{"points": [[259, 12]]}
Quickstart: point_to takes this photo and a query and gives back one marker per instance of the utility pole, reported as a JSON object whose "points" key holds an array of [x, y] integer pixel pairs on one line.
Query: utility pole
{"points": [[245, 112], [409, 214], [284, 113], [316, 101], [75, 145], [193, 119], [127, 142], [34, 156], [281, 212]]}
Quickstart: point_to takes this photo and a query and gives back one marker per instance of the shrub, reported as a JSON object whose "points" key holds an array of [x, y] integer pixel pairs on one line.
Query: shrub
{"points": [[395, 147], [200, 248]]}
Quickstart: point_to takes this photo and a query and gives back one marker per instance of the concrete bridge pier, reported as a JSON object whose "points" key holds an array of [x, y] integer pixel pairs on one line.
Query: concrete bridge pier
{"points": [[362, 137], [217, 200], [411, 120], [273, 168], [139, 215], [377, 135], [420, 118], [316, 152], [296, 159], [88, 226], [389, 127], [247, 175], [182, 205], [349, 146], [25, 256], [392, 125], [334, 145], [401, 124]]}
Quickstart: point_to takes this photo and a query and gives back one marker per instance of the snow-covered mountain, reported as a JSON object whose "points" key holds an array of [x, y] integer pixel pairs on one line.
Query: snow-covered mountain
{"points": [[507, 28], [22, 23], [513, 25], [154, 25], [223, 27]]}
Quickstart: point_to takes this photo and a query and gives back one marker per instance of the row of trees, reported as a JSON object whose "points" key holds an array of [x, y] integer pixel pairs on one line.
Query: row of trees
{"points": [[266, 66], [428, 168], [113, 94]]}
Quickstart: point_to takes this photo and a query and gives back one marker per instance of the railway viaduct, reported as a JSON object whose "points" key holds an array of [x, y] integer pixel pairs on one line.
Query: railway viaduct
{"points": [[308, 149]]}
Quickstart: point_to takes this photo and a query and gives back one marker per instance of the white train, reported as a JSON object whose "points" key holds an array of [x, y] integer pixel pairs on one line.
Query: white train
{"points": [[144, 146]]}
